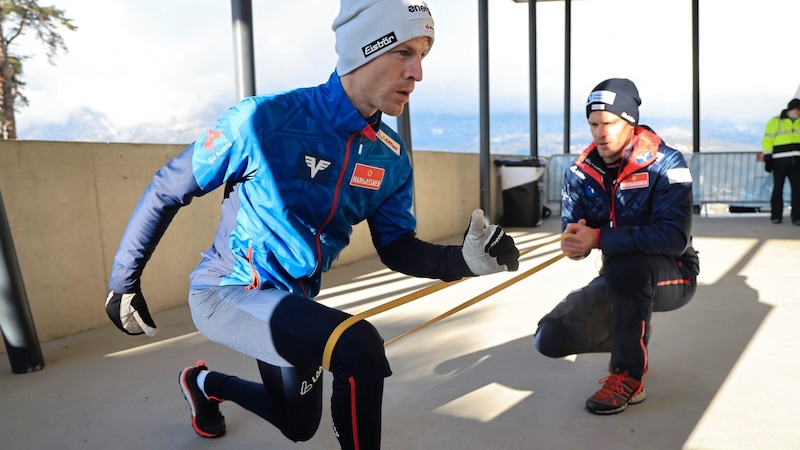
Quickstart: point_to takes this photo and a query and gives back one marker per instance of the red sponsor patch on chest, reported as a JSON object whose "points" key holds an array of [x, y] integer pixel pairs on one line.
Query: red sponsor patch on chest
{"points": [[368, 177], [636, 181]]}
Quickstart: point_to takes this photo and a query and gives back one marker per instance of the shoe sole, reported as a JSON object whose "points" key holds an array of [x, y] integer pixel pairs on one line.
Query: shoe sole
{"points": [[187, 394], [634, 401]]}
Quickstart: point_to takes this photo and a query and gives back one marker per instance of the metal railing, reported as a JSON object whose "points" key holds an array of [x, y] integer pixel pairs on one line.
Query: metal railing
{"points": [[733, 178]]}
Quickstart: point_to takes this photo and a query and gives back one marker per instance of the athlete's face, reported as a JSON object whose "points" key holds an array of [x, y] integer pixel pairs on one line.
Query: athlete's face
{"points": [[386, 82], [611, 134]]}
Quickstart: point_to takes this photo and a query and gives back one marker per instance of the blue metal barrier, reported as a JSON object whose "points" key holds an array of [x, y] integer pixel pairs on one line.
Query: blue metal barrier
{"points": [[16, 322], [734, 178]]}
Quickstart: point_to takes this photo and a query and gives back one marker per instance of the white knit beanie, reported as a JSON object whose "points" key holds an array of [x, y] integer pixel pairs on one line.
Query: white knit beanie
{"points": [[366, 29]]}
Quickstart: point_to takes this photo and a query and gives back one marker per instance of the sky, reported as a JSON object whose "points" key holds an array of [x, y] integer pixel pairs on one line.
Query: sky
{"points": [[167, 67]]}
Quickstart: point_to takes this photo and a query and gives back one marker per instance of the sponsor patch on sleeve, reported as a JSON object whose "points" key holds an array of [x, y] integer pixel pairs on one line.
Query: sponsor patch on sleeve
{"points": [[680, 175], [216, 144]]}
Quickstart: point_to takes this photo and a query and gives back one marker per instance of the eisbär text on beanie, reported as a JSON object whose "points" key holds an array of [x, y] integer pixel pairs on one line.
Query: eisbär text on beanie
{"points": [[366, 29], [616, 95]]}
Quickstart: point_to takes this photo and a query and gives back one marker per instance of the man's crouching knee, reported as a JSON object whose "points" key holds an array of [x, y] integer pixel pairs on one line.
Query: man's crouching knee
{"points": [[360, 354], [549, 341]]}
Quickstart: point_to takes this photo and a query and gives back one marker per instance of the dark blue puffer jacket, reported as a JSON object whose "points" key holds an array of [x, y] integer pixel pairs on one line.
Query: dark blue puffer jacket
{"points": [[649, 209]]}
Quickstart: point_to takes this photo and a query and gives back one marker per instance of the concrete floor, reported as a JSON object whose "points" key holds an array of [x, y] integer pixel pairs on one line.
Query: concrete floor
{"points": [[723, 369]]}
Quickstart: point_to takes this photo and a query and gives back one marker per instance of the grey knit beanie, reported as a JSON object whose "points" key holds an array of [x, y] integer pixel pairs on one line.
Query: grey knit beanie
{"points": [[366, 29]]}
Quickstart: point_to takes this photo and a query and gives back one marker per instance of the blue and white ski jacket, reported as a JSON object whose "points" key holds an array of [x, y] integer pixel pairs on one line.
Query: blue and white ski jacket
{"points": [[299, 169]]}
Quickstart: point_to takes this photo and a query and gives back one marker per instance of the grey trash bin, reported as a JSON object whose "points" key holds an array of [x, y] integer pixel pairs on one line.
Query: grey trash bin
{"points": [[519, 181]]}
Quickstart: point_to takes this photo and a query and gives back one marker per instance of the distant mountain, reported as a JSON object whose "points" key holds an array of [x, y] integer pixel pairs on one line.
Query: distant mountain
{"points": [[430, 131], [85, 125], [510, 134], [88, 125]]}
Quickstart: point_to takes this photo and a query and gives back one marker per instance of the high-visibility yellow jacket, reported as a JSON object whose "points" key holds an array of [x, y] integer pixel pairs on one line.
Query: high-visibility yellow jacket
{"points": [[781, 142]]}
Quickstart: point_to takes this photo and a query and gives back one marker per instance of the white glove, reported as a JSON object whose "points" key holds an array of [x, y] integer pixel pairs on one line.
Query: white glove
{"points": [[130, 314], [488, 249]]}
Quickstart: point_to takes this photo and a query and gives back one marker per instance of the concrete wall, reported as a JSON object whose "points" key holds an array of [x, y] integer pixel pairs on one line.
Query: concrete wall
{"points": [[68, 204]]}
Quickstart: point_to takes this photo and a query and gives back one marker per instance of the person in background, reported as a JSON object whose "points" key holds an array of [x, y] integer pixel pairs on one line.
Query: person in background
{"points": [[781, 151], [629, 195], [299, 169]]}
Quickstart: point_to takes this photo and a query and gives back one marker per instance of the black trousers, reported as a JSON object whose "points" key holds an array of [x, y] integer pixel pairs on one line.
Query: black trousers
{"points": [[779, 176], [612, 313], [290, 398]]}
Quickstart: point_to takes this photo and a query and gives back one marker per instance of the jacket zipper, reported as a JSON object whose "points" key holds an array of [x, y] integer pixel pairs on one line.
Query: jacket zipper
{"points": [[335, 202]]}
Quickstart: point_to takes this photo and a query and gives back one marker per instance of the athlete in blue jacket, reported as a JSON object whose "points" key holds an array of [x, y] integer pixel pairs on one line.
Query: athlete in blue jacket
{"points": [[299, 169], [629, 195]]}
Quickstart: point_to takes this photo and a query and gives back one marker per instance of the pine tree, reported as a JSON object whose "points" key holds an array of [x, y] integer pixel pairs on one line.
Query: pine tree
{"points": [[16, 18]]}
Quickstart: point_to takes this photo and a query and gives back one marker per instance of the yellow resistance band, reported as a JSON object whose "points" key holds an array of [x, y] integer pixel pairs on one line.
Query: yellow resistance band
{"points": [[479, 297], [337, 332]]}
